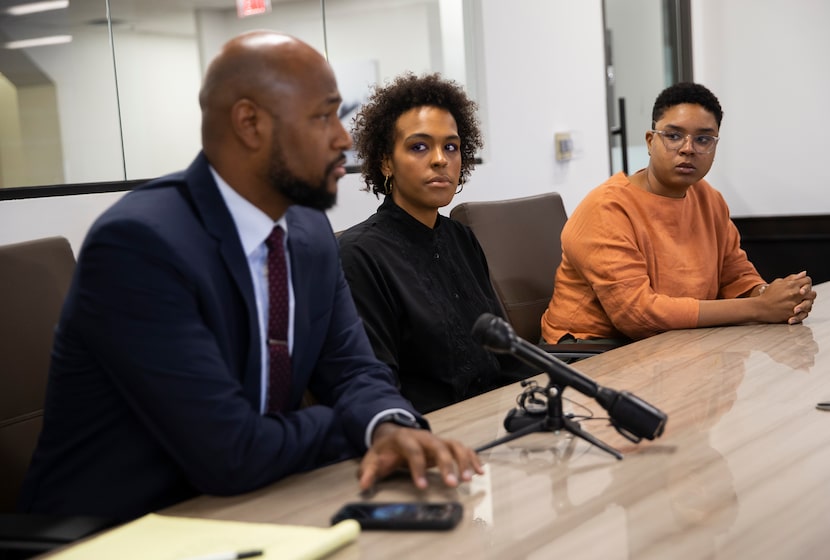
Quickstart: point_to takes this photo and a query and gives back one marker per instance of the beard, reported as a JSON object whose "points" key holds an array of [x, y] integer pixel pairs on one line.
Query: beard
{"points": [[299, 191]]}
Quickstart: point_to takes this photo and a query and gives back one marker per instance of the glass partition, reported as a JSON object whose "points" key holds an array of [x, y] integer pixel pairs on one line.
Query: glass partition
{"points": [[59, 102], [648, 47], [107, 90]]}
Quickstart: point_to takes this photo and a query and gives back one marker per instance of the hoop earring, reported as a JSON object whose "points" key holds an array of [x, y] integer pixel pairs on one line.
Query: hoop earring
{"points": [[460, 187], [387, 185]]}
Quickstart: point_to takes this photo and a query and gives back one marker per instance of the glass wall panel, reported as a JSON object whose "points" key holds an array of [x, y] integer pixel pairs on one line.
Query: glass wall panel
{"points": [[58, 101], [111, 91]]}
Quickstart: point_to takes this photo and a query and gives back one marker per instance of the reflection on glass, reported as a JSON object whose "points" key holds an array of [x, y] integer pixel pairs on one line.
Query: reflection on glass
{"points": [[116, 101], [31, 149]]}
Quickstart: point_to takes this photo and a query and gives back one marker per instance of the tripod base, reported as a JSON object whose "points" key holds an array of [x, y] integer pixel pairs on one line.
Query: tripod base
{"points": [[553, 421]]}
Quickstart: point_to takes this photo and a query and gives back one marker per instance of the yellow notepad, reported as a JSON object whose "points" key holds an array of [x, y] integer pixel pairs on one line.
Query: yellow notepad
{"points": [[163, 537]]}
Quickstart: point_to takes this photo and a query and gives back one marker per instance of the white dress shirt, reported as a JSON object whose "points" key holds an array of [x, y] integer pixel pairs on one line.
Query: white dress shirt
{"points": [[254, 226]]}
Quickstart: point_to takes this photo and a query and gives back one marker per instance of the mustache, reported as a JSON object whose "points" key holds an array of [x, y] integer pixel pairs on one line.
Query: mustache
{"points": [[341, 160]]}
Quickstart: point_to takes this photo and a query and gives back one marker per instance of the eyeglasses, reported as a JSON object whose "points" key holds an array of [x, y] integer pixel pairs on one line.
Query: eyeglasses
{"points": [[701, 143]]}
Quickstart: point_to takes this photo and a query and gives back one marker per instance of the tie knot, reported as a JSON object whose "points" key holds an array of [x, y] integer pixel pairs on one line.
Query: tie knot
{"points": [[275, 239]]}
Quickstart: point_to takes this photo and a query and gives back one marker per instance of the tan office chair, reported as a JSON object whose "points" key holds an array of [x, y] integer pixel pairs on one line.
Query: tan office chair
{"points": [[521, 239], [34, 278]]}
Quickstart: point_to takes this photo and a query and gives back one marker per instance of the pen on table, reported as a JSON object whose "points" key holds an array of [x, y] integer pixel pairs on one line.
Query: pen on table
{"points": [[229, 555]]}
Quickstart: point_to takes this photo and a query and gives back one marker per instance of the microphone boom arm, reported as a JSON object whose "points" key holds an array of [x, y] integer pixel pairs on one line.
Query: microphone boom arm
{"points": [[631, 416], [560, 373]]}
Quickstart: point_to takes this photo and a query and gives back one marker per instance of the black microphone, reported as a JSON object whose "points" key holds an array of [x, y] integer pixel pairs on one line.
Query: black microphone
{"points": [[633, 417], [496, 335]]}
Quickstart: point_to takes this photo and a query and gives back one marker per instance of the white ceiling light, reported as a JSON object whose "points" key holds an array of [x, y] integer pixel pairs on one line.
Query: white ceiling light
{"points": [[35, 7], [39, 42]]}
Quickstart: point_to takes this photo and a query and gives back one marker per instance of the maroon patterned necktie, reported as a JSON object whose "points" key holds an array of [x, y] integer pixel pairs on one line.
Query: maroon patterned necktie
{"points": [[279, 374]]}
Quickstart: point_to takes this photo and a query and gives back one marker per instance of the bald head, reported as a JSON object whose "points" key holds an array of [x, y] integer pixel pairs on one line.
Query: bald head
{"points": [[270, 125], [261, 66]]}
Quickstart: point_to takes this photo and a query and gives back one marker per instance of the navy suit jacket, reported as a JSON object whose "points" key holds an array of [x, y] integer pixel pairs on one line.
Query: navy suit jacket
{"points": [[154, 386]]}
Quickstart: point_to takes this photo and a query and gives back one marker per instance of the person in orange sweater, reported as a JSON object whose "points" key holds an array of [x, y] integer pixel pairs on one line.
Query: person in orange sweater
{"points": [[657, 250]]}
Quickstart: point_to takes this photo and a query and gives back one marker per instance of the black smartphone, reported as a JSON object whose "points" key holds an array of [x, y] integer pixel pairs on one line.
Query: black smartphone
{"points": [[402, 516]]}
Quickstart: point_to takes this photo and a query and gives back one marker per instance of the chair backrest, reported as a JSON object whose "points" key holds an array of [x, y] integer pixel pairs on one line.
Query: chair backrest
{"points": [[34, 279], [520, 238]]}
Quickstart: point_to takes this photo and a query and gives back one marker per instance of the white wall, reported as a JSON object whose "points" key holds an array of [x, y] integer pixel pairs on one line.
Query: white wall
{"points": [[69, 216], [545, 79], [87, 105], [158, 97], [766, 62], [542, 71], [523, 104]]}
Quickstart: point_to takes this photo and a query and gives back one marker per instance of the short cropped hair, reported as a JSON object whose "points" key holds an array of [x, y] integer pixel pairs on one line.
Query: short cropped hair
{"points": [[686, 92], [374, 124]]}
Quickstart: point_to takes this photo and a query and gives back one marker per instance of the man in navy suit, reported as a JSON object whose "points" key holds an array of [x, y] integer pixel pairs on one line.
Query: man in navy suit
{"points": [[158, 382]]}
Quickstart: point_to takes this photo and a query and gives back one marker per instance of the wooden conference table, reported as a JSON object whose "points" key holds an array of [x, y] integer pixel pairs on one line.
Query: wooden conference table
{"points": [[742, 470]]}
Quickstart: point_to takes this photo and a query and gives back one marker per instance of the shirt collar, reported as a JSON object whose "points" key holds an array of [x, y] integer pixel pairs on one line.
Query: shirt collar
{"points": [[408, 222], [252, 224]]}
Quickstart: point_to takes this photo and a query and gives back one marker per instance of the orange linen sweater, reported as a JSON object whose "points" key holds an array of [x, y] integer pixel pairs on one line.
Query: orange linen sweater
{"points": [[635, 264]]}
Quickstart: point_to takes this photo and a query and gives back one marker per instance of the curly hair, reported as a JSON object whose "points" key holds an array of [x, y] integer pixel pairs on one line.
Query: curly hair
{"points": [[374, 124], [686, 92]]}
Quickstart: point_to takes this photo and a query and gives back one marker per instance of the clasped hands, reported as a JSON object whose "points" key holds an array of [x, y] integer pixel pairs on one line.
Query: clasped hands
{"points": [[789, 299], [395, 447]]}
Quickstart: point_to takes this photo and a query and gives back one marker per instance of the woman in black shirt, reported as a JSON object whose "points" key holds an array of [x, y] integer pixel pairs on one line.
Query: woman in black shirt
{"points": [[419, 279]]}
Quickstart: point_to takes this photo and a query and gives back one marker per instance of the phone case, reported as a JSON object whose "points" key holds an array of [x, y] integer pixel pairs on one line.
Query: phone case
{"points": [[402, 516]]}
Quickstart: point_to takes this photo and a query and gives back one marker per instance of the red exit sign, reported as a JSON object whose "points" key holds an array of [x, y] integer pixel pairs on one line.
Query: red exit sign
{"points": [[245, 8]]}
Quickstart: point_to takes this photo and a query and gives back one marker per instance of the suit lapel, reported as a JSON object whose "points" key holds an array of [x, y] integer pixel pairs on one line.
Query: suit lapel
{"points": [[219, 224], [298, 246]]}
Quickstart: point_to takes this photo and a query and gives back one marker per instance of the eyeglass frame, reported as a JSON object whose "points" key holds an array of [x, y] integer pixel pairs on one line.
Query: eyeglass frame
{"points": [[687, 137]]}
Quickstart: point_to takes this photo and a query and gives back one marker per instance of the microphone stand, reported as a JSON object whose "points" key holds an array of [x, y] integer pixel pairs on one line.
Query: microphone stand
{"points": [[631, 416], [554, 420]]}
